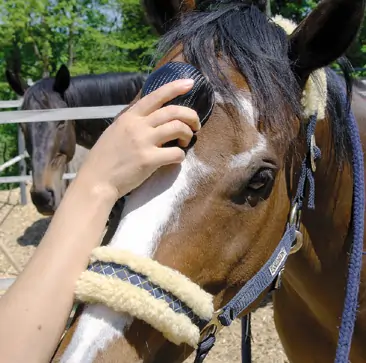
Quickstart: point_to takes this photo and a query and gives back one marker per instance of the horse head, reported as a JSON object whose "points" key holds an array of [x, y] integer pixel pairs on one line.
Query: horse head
{"points": [[51, 145], [219, 216]]}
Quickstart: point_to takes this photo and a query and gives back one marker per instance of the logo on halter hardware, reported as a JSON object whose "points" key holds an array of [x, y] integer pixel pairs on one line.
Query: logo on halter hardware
{"points": [[278, 262]]}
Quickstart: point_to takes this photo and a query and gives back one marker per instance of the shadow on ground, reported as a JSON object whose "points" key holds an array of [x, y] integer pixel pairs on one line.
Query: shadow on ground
{"points": [[34, 233]]}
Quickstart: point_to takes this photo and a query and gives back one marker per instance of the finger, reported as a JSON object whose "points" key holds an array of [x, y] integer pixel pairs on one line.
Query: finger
{"points": [[171, 131], [162, 95], [169, 155], [172, 112]]}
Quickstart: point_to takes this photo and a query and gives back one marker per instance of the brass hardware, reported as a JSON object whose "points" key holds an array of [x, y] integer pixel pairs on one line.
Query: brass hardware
{"points": [[298, 244], [312, 156], [295, 215], [213, 327]]}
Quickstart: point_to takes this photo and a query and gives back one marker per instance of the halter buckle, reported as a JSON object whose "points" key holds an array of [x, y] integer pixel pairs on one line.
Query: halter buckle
{"points": [[213, 327]]}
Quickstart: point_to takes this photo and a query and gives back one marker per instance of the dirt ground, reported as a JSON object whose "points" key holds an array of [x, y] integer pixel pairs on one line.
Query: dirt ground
{"points": [[21, 228]]}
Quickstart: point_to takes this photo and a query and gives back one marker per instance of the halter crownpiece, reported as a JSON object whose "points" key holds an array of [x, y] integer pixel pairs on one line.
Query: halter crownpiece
{"points": [[200, 98]]}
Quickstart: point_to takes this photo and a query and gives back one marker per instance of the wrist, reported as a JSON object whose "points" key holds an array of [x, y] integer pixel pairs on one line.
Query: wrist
{"points": [[100, 192]]}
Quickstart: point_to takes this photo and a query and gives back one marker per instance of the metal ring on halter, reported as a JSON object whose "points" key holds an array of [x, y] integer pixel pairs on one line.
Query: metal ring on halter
{"points": [[295, 218], [213, 327], [295, 215], [312, 155], [298, 244]]}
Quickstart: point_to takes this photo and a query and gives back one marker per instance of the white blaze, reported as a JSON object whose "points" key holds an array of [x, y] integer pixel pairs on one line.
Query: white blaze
{"points": [[147, 211]]}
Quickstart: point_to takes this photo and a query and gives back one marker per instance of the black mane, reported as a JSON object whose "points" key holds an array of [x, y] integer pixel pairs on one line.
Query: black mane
{"points": [[87, 90], [258, 49], [103, 89]]}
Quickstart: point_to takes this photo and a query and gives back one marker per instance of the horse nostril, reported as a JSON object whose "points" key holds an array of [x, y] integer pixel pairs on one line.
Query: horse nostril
{"points": [[51, 194], [43, 198]]}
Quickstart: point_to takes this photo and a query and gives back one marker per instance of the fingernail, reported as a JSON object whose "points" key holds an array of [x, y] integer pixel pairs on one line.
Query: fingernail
{"points": [[187, 82]]}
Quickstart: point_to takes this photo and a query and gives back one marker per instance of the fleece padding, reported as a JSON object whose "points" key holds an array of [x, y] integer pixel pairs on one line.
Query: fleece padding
{"points": [[168, 279], [126, 298], [315, 93]]}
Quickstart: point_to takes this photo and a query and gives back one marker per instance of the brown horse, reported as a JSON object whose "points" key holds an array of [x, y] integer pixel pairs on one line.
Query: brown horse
{"points": [[51, 145], [219, 216]]}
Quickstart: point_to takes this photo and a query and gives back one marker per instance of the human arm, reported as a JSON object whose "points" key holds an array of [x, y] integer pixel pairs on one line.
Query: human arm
{"points": [[34, 311]]}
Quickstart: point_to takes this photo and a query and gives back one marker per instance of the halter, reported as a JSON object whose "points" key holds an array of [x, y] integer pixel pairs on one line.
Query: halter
{"points": [[270, 273], [291, 242]]}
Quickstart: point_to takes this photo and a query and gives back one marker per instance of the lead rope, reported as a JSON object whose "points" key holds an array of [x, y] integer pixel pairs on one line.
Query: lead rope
{"points": [[355, 260], [246, 339]]}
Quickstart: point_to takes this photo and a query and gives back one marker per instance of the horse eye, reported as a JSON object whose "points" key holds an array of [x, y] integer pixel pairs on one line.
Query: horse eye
{"points": [[256, 189], [61, 125], [260, 180]]}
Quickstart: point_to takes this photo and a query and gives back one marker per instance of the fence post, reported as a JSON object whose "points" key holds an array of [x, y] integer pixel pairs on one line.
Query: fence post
{"points": [[22, 166], [268, 8]]}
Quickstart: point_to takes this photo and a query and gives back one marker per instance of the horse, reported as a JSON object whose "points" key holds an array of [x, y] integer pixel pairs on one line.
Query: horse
{"points": [[207, 227], [51, 145]]}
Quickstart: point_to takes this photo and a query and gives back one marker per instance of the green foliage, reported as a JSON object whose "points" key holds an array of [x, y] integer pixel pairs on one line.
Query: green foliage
{"points": [[8, 149], [90, 36]]}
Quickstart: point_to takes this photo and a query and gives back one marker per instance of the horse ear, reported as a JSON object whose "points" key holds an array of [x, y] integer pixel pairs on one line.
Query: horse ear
{"points": [[62, 80], [325, 35], [16, 83]]}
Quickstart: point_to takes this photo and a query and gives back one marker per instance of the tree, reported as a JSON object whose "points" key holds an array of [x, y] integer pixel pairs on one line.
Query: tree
{"points": [[90, 36]]}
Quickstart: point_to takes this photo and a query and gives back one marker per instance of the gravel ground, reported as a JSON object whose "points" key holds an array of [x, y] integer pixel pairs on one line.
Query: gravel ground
{"points": [[21, 228]]}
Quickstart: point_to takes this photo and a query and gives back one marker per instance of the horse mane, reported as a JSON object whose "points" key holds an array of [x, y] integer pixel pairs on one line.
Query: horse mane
{"points": [[257, 48], [104, 89], [87, 90]]}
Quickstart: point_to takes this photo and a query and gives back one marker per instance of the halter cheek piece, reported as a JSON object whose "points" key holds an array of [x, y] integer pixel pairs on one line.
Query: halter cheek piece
{"points": [[154, 293]]}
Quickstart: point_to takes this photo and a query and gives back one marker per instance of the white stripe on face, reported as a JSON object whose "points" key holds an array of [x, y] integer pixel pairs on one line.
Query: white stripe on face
{"points": [[242, 160], [246, 108], [148, 210]]}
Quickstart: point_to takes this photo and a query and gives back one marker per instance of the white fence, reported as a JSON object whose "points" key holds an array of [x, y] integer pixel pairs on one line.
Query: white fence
{"points": [[75, 113]]}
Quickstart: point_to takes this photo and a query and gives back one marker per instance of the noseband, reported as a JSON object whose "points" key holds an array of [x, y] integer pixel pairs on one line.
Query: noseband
{"points": [[143, 287]]}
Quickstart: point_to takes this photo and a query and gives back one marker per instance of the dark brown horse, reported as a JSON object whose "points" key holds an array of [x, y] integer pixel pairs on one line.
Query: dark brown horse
{"points": [[51, 145], [219, 216]]}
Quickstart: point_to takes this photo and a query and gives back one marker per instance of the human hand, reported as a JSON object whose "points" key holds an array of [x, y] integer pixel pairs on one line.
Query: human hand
{"points": [[129, 150]]}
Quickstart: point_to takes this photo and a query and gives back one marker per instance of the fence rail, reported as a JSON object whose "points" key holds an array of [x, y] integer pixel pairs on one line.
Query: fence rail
{"points": [[60, 114], [28, 178], [11, 104], [50, 115], [13, 161]]}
